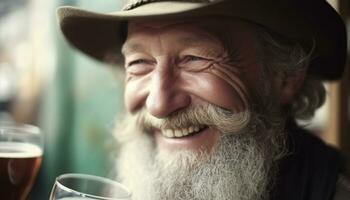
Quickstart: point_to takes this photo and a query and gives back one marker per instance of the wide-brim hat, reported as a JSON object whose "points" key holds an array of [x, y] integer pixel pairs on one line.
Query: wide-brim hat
{"points": [[314, 24]]}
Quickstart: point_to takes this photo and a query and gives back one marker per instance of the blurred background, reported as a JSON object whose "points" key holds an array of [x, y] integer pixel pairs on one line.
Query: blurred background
{"points": [[46, 83], [75, 102]]}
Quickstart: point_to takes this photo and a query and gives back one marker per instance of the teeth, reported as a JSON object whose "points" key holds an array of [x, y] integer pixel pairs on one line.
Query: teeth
{"points": [[196, 128], [178, 133], [170, 133], [185, 132]]}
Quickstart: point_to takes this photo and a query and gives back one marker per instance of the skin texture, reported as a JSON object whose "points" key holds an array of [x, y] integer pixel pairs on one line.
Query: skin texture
{"points": [[172, 65], [204, 73]]}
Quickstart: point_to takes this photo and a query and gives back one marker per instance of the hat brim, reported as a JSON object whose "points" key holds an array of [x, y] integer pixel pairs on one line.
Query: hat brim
{"points": [[102, 35]]}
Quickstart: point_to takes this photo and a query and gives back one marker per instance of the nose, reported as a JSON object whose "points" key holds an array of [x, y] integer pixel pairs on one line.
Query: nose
{"points": [[166, 95]]}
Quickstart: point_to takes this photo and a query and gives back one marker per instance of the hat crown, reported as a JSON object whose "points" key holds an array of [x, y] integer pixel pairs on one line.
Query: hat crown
{"points": [[131, 4]]}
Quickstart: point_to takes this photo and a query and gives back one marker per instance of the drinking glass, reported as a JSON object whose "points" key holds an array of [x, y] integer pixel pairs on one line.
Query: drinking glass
{"points": [[21, 149], [87, 187]]}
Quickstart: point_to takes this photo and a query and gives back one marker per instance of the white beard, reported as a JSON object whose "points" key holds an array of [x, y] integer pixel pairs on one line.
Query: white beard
{"points": [[242, 167]]}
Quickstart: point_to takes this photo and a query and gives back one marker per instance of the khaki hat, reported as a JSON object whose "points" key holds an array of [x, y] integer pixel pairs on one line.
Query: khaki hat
{"points": [[311, 23]]}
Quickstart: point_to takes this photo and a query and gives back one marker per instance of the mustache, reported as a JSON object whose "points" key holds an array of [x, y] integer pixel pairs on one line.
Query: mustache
{"points": [[204, 115]]}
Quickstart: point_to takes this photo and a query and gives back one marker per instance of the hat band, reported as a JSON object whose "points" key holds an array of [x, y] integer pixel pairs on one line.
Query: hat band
{"points": [[137, 3]]}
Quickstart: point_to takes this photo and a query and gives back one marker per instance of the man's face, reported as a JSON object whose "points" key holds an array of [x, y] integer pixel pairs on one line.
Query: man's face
{"points": [[198, 125], [175, 65]]}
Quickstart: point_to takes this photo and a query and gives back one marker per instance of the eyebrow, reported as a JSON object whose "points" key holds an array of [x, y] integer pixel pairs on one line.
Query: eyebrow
{"points": [[132, 47]]}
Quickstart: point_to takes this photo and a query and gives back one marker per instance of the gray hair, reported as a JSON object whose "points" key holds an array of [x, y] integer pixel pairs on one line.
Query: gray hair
{"points": [[280, 56]]}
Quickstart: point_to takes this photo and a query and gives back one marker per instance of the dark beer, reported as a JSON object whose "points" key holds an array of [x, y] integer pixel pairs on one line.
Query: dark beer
{"points": [[19, 164]]}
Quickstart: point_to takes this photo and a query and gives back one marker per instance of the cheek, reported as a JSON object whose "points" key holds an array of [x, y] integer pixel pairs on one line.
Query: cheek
{"points": [[229, 93], [135, 94]]}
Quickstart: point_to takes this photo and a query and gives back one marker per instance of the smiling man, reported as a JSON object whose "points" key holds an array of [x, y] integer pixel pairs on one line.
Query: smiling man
{"points": [[212, 93]]}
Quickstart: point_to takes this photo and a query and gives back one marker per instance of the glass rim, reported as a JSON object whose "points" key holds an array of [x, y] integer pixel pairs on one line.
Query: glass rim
{"points": [[15, 128], [95, 178]]}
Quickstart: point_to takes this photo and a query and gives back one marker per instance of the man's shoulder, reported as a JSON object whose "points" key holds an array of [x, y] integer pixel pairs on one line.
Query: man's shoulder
{"points": [[314, 167], [343, 189]]}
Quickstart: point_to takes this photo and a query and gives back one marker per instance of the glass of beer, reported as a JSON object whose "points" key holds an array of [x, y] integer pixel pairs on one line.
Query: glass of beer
{"points": [[21, 149], [87, 187]]}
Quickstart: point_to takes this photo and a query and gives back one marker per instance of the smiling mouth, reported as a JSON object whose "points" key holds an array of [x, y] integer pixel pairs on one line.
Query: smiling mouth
{"points": [[183, 132]]}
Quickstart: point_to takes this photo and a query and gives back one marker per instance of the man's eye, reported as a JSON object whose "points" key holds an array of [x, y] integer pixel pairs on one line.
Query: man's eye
{"points": [[138, 67], [193, 58], [194, 63], [135, 62]]}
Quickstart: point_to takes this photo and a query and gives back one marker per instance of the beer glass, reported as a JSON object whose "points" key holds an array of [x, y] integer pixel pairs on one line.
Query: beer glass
{"points": [[21, 149], [87, 187]]}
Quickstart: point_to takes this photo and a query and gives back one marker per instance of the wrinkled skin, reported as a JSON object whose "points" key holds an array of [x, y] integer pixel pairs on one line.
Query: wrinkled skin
{"points": [[174, 70], [174, 65]]}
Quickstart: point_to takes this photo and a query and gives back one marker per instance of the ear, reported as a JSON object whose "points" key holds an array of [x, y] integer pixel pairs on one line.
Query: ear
{"points": [[290, 86]]}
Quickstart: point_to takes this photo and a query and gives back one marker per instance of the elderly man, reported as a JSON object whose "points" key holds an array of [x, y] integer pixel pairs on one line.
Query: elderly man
{"points": [[212, 92]]}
